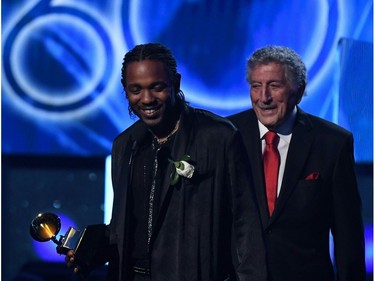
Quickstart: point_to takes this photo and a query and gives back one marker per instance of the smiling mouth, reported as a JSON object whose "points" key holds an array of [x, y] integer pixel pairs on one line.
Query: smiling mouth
{"points": [[150, 111], [267, 108]]}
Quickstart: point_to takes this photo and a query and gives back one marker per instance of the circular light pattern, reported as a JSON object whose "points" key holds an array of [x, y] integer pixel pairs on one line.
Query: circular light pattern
{"points": [[62, 59], [53, 34], [76, 51], [308, 27]]}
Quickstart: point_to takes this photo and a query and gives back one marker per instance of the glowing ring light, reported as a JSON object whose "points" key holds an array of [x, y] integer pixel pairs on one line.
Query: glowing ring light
{"points": [[33, 98]]}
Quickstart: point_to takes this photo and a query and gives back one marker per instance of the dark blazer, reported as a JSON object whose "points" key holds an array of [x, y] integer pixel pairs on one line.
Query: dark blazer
{"points": [[193, 233], [318, 194]]}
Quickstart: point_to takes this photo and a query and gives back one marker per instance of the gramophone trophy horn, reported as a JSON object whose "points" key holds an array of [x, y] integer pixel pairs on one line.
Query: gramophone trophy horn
{"points": [[86, 244], [45, 227]]}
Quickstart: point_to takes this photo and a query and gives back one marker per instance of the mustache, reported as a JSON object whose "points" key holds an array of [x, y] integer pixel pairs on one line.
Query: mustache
{"points": [[267, 106]]}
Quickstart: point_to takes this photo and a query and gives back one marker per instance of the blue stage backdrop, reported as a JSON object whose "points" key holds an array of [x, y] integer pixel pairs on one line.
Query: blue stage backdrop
{"points": [[61, 92], [63, 104]]}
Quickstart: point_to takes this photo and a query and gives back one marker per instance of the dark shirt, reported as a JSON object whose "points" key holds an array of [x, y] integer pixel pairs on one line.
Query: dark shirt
{"points": [[150, 165]]}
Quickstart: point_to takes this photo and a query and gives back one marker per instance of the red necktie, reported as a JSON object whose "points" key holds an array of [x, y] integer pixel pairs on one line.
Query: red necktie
{"points": [[271, 162]]}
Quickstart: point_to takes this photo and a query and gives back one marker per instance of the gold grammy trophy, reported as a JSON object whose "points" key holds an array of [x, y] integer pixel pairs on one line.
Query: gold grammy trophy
{"points": [[86, 244]]}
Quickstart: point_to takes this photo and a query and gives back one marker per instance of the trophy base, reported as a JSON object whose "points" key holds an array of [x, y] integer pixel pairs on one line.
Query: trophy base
{"points": [[89, 243], [69, 241]]}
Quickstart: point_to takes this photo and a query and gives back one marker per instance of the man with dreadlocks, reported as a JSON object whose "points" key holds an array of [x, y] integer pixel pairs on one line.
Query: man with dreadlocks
{"points": [[183, 205]]}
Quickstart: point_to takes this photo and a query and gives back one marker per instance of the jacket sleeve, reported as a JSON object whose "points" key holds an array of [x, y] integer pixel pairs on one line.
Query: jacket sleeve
{"points": [[249, 251], [347, 227]]}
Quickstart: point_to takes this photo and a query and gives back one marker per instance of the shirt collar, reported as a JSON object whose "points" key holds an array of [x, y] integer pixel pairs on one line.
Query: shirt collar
{"points": [[284, 129]]}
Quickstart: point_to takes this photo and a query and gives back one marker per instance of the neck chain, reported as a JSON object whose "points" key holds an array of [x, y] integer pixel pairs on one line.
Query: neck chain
{"points": [[165, 139]]}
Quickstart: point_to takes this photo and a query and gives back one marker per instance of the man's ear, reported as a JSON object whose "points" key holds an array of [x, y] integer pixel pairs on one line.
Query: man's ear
{"points": [[300, 94], [299, 97], [177, 82]]}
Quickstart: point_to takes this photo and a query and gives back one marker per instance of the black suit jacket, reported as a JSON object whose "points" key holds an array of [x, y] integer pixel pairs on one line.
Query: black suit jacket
{"points": [[297, 234], [193, 232]]}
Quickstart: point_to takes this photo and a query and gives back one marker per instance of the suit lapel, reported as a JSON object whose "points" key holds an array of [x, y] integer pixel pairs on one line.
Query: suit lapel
{"points": [[298, 153], [126, 151], [180, 147], [178, 150], [250, 133], [124, 164]]}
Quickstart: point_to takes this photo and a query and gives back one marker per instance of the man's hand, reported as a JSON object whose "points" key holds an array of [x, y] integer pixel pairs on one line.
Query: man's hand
{"points": [[69, 260]]}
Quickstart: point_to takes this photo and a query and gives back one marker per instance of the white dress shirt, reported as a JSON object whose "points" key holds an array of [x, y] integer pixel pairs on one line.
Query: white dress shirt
{"points": [[285, 134]]}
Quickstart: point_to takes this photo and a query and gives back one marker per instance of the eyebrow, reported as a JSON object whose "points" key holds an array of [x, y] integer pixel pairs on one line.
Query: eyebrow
{"points": [[270, 81]]}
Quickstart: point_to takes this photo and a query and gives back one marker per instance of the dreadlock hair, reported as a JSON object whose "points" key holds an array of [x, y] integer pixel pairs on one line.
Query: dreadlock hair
{"points": [[155, 52]]}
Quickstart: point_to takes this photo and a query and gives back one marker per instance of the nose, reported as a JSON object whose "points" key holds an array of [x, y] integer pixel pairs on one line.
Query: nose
{"points": [[147, 96], [265, 94]]}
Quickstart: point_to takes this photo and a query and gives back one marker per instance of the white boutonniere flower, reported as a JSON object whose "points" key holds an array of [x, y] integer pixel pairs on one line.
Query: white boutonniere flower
{"points": [[182, 168]]}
